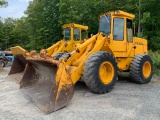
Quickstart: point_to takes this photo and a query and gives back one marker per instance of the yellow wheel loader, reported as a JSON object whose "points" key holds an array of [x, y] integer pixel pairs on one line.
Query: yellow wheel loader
{"points": [[50, 83], [74, 34]]}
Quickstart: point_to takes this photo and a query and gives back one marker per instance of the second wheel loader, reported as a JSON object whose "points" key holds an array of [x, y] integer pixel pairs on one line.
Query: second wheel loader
{"points": [[74, 34], [50, 83]]}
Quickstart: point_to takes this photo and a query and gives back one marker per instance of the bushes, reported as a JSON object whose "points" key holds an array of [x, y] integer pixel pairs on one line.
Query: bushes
{"points": [[156, 61]]}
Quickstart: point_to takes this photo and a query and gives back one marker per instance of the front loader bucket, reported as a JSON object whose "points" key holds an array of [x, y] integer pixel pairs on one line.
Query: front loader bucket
{"points": [[18, 66], [47, 84]]}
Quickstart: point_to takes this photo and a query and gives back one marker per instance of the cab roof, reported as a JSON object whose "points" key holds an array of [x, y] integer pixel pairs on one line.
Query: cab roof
{"points": [[75, 26], [119, 13]]}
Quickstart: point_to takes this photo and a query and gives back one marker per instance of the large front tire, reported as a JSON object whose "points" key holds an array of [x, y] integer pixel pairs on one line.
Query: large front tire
{"points": [[100, 72], [141, 69]]}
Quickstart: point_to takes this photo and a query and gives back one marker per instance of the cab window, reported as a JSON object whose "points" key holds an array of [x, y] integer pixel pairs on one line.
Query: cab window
{"points": [[104, 24], [76, 34], [118, 30], [67, 33], [83, 34], [129, 30]]}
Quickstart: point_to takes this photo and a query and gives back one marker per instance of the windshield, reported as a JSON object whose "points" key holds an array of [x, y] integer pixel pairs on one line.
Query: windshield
{"points": [[104, 24], [67, 33]]}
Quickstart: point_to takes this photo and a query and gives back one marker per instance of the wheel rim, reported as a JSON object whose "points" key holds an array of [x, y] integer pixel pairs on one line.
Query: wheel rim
{"points": [[146, 69], [106, 72]]}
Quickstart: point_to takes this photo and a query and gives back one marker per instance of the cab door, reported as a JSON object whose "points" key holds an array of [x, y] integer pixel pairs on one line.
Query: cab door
{"points": [[119, 41]]}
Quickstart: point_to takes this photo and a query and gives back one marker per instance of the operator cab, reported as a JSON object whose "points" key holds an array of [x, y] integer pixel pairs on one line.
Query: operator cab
{"points": [[75, 32], [118, 26], [115, 23]]}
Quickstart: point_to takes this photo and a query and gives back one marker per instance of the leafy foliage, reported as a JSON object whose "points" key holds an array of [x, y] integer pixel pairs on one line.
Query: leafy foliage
{"points": [[3, 3], [42, 25], [156, 61]]}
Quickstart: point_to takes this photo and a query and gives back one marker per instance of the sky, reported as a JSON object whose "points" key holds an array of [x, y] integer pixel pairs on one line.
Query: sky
{"points": [[14, 9]]}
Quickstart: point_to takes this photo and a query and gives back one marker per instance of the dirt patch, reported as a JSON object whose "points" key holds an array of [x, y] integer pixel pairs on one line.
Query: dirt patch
{"points": [[127, 101]]}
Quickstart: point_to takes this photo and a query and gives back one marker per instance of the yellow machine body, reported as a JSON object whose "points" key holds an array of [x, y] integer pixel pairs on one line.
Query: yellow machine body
{"points": [[74, 34], [123, 50], [116, 43]]}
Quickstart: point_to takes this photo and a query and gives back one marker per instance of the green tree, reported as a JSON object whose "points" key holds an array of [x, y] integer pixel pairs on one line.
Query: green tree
{"points": [[3, 3], [6, 33], [42, 25]]}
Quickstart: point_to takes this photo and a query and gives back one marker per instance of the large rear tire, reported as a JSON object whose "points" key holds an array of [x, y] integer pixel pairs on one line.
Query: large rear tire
{"points": [[100, 72], [141, 69]]}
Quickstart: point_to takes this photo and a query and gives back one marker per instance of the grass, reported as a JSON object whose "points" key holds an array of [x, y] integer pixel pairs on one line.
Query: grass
{"points": [[156, 61]]}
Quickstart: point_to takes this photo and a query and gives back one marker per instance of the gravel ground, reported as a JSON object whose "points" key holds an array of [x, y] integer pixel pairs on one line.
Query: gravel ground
{"points": [[127, 101]]}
